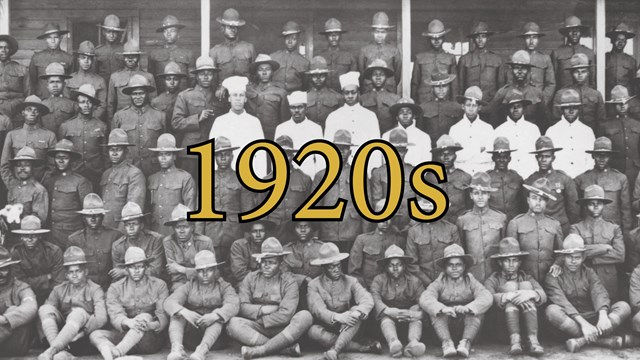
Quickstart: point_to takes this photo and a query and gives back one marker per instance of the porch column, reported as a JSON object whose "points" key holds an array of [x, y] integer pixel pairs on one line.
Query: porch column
{"points": [[406, 48], [205, 26], [601, 40], [4, 17]]}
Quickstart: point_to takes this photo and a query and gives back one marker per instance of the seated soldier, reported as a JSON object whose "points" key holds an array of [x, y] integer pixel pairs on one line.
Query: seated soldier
{"points": [[516, 294], [396, 293], [579, 303], [242, 263], [17, 309], [330, 297], [633, 339], [134, 305], [508, 198], [456, 302], [73, 310], [303, 250], [268, 323], [200, 308], [181, 247]]}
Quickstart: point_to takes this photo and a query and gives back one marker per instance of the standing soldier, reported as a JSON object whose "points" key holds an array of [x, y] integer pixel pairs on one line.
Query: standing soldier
{"points": [[439, 114], [41, 59], [624, 131], [108, 58], [406, 113], [86, 75], [15, 84], [541, 74], [621, 67], [170, 52], [572, 31], [509, 195], [61, 108], [173, 84], [379, 100], [122, 182], [168, 187], [240, 260], [233, 56], [337, 60], [290, 75], [434, 60], [457, 179], [23, 189], [321, 99], [379, 49]]}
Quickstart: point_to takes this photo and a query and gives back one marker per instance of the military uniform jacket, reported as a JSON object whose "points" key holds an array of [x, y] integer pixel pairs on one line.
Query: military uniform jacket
{"points": [[38, 66], [379, 101], [116, 99], [561, 59], [339, 62], [297, 193], [34, 136], [184, 253], [445, 291], [634, 291], [620, 70], [168, 188], [496, 282], [268, 103], [328, 298], [290, 75], [387, 52], [233, 58], [481, 68], [62, 109], [540, 235], [564, 208], [189, 104], [380, 186], [438, 116], [591, 113], [456, 190], [30, 193], [536, 112], [87, 136], [18, 296], [542, 75], [624, 133], [219, 298], [15, 85], [510, 197], [88, 296], [632, 250], [299, 261], [127, 299], [96, 245], [121, 184], [150, 242], [240, 259], [165, 102], [108, 60], [37, 265], [82, 77], [481, 231], [367, 249], [321, 103], [66, 191], [401, 293], [257, 290], [159, 58], [426, 243], [577, 293], [427, 63]]}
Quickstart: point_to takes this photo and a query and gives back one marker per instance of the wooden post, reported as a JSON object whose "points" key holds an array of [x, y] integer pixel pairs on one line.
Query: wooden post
{"points": [[205, 26], [601, 24], [406, 48], [4, 17]]}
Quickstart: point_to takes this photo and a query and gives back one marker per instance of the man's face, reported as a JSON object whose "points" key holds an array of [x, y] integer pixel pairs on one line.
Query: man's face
{"points": [[110, 35], [480, 40], [136, 271], [204, 78], [333, 271], [378, 78], [580, 75], [62, 161], [619, 42], [380, 36], [531, 42], [455, 268], [172, 83], [471, 108], [291, 42], [133, 228], [85, 62], [237, 100], [131, 61], [436, 42], [223, 159], [571, 113], [333, 39], [166, 159], [23, 169], [318, 80], [536, 203], [258, 233], [270, 266], [480, 198], [447, 157], [351, 94], [303, 229], [545, 160], [229, 32], [519, 72], [595, 207], [441, 91], [53, 41], [405, 117], [516, 110], [601, 160], [395, 268], [502, 160], [298, 112], [4, 51], [264, 73], [30, 115], [383, 226], [138, 97], [30, 240], [573, 261], [573, 35], [94, 221], [5, 275], [622, 108], [206, 276], [171, 35], [116, 154], [76, 274], [510, 265], [345, 151], [55, 85], [183, 230]]}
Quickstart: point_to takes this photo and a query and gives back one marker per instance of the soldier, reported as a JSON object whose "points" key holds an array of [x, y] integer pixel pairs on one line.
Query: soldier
{"points": [[380, 49], [86, 55], [322, 99], [481, 228], [15, 84], [337, 60], [173, 84], [233, 56], [67, 190], [634, 105], [23, 189], [303, 249], [563, 206], [580, 305], [339, 305], [473, 133], [434, 60], [541, 74], [561, 57], [624, 132], [61, 108], [18, 310], [536, 232], [240, 260], [633, 340], [481, 67], [116, 98], [88, 135], [265, 100], [407, 113], [41, 261], [108, 58], [137, 236], [122, 182], [73, 310], [379, 100], [456, 301], [200, 309], [621, 67], [439, 114], [135, 309], [168, 187], [96, 240], [509, 195], [268, 323], [516, 295], [457, 179], [181, 247], [170, 52], [41, 59], [290, 75]]}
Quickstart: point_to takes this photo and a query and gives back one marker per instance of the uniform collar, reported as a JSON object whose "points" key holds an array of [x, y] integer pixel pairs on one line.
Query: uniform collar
{"points": [[508, 277], [140, 110], [170, 46], [33, 127], [479, 211], [201, 89], [170, 169]]}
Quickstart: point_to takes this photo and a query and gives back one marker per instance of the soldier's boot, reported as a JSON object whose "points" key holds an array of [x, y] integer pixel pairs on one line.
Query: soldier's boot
{"points": [[104, 346], [49, 327], [388, 327], [176, 336], [610, 342], [441, 328], [448, 349], [209, 338], [63, 338], [48, 354], [293, 350], [414, 348], [464, 347], [64, 355], [531, 324], [130, 339], [272, 346], [344, 341], [177, 352], [631, 340], [575, 344], [516, 344], [512, 317]]}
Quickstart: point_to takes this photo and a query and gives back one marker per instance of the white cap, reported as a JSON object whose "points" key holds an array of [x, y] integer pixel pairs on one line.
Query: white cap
{"points": [[350, 78], [235, 84], [297, 97]]}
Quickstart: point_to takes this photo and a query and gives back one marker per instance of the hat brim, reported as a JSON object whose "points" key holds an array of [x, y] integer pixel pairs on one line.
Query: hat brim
{"points": [[254, 66], [511, 63], [367, 73], [330, 260], [290, 32], [147, 88], [620, 101], [446, 81], [9, 263], [173, 222], [585, 200], [317, 72], [213, 68], [554, 149], [406, 259], [36, 160], [500, 151], [133, 217], [461, 99], [270, 255], [539, 192], [344, 144], [488, 33], [567, 104], [331, 31], [415, 108], [436, 35], [116, 144], [75, 93], [565, 29], [166, 149], [44, 109], [145, 260], [579, 67], [601, 151], [13, 43], [92, 212], [237, 23], [452, 148], [207, 266], [29, 232], [61, 32], [524, 101], [627, 34], [215, 151], [529, 33], [569, 251], [52, 152], [64, 76], [162, 28], [503, 256], [383, 26], [112, 28], [125, 53], [468, 260], [79, 262]]}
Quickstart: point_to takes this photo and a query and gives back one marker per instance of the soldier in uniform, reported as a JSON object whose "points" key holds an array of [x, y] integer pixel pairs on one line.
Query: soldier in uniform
{"points": [[509, 195], [481, 228], [15, 84], [61, 108], [170, 52], [96, 240], [86, 55], [181, 247], [73, 310], [434, 60], [339, 305], [379, 100], [290, 75], [135, 309], [321, 99], [233, 56], [303, 249], [624, 132], [23, 189], [620, 67], [67, 190], [633, 339], [407, 113], [380, 49], [541, 74], [119, 80], [456, 302], [200, 309], [337, 60], [572, 31], [41, 59], [173, 84], [457, 179], [580, 306], [122, 182], [240, 260], [439, 114], [108, 58], [268, 323], [18, 310], [168, 187]]}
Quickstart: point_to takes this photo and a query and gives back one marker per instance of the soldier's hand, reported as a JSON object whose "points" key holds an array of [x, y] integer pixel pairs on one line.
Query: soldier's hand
{"points": [[117, 273], [268, 309], [347, 318], [523, 296], [205, 114], [3, 320], [449, 311], [175, 268], [207, 320], [555, 270], [461, 309], [393, 313], [130, 324], [192, 317], [604, 325], [589, 332]]}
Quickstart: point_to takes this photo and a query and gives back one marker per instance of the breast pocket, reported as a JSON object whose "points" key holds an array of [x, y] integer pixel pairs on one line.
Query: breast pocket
{"points": [[120, 189], [65, 197], [196, 106], [343, 65]]}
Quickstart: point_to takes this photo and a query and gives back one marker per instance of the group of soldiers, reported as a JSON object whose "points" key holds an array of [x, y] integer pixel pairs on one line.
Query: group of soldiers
{"points": [[95, 167]]}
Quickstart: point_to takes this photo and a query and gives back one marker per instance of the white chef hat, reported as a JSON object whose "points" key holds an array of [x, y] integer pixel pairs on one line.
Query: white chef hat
{"points": [[350, 78], [235, 84], [297, 97]]}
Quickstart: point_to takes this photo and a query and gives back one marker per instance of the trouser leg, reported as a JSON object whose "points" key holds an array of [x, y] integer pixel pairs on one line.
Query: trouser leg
{"points": [[243, 331], [560, 320], [299, 324], [471, 326]]}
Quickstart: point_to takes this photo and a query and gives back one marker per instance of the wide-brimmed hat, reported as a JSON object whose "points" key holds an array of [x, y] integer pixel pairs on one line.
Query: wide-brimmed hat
{"points": [[86, 48], [26, 154], [138, 81], [579, 61], [271, 247], [395, 252], [622, 28], [135, 255], [30, 224], [377, 64], [64, 146], [380, 20], [572, 244], [5, 258], [291, 27], [593, 192], [569, 97], [51, 29], [515, 96], [439, 78], [204, 62], [92, 204], [205, 259], [522, 58], [131, 211], [54, 69], [223, 144], [166, 143], [73, 256], [172, 68], [509, 247], [435, 29], [332, 25], [263, 59], [541, 187], [481, 181], [170, 21], [342, 137], [602, 145], [131, 47], [531, 28], [406, 103], [570, 23], [118, 137], [399, 138], [286, 143], [480, 28], [619, 95], [455, 251], [501, 145], [111, 22], [88, 91], [179, 213], [472, 93], [13, 43], [231, 17], [33, 100], [446, 142], [544, 143], [318, 65], [328, 254]]}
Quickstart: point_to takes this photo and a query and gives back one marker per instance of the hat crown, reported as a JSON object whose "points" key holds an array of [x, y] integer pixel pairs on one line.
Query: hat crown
{"points": [[73, 254], [180, 212], [398, 137], [521, 57], [328, 250], [501, 143], [33, 99], [55, 69], [350, 78], [508, 245], [297, 97], [222, 143], [291, 27], [439, 76], [332, 24], [531, 27], [378, 63], [435, 26], [138, 80], [594, 192], [170, 20], [544, 142], [111, 21], [26, 153], [453, 250], [285, 142], [569, 96], [619, 92], [572, 21], [131, 209], [579, 59], [271, 245], [50, 28], [573, 241], [342, 137], [118, 136], [623, 27], [166, 140], [318, 63], [380, 19], [543, 185], [473, 92], [480, 28], [132, 45], [87, 89], [405, 100], [172, 68], [64, 145], [30, 222], [602, 143], [262, 58], [92, 201], [86, 47], [5, 255], [231, 14], [134, 255], [204, 62], [393, 251], [205, 258], [446, 141], [480, 179]]}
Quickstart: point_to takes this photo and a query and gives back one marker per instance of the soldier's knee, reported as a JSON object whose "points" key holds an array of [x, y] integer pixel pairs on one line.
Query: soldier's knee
{"points": [[145, 317], [98, 336], [415, 307], [555, 314], [510, 307], [79, 316], [234, 326], [509, 286], [303, 318], [525, 285], [47, 311], [622, 309]]}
